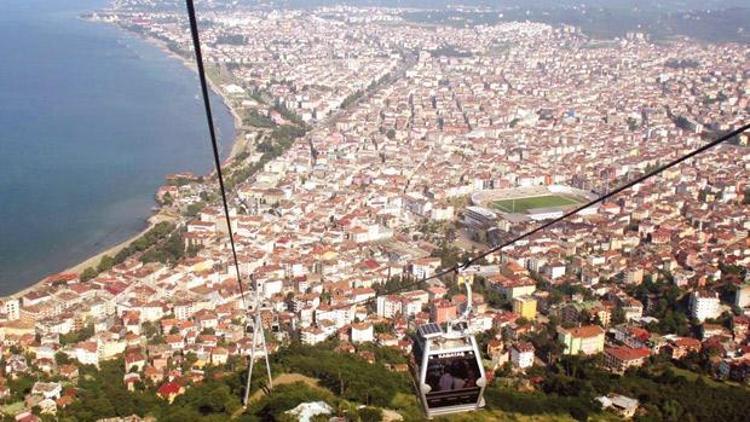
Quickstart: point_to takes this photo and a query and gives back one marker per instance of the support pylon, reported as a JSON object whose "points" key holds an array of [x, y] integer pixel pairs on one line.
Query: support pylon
{"points": [[259, 335]]}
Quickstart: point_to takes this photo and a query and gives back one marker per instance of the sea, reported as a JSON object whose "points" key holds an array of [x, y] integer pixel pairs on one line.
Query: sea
{"points": [[92, 119]]}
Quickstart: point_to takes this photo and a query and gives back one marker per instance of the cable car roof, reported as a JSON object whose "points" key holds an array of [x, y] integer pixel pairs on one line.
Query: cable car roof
{"points": [[430, 330]]}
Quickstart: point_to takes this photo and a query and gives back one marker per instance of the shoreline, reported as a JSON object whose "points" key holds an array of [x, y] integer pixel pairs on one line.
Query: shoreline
{"points": [[238, 145], [213, 87], [93, 260]]}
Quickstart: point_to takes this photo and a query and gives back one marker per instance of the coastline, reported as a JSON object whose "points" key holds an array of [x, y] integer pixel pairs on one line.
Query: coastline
{"points": [[93, 260], [238, 145], [238, 141]]}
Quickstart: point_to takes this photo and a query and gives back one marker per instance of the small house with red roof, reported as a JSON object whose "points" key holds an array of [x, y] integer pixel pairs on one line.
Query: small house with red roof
{"points": [[620, 358], [170, 391]]}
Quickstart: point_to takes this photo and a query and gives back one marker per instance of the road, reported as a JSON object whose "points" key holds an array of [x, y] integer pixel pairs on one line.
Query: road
{"points": [[409, 61]]}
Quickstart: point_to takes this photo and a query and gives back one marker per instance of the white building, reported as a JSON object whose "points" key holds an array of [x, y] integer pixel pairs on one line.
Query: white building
{"points": [[12, 309], [540, 214], [59, 326], [479, 217], [362, 333], [272, 287], [48, 390], [704, 305], [183, 310], [522, 355], [425, 267], [388, 306], [306, 316], [362, 294], [554, 270], [152, 312], [87, 353], [442, 214], [109, 346], [313, 335], [413, 301], [622, 405], [338, 316], [741, 299]]}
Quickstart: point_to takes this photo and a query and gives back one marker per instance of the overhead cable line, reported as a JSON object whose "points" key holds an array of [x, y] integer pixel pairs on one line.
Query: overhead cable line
{"points": [[466, 264], [212, 133], [612, 193]]}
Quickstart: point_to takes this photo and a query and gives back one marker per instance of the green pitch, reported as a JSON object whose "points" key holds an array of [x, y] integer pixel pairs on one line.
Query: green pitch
{"points": [[523, 204]]}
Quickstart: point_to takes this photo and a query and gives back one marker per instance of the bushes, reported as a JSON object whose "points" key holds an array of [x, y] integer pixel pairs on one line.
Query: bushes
{"points": [[170, 251], [287, 133], [284, 398], [150, 238], [697, 400], [289, 115], [102, 394], [537, 403], [195, 208], [210, 398], [253, 118], [281, 139], [352, 98], [662, 393], [370, 414], [76, 336], [349, 376]]}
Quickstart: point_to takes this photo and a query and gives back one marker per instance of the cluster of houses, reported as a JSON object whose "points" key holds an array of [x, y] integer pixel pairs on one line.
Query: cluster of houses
{"points": [[322, 227]]}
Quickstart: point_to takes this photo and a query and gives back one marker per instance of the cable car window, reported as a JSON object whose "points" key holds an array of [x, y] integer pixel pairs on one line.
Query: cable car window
{"points": [[452, 378]]}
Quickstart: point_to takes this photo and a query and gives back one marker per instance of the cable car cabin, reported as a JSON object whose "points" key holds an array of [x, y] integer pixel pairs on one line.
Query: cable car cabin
{"points": [[449, 370]]}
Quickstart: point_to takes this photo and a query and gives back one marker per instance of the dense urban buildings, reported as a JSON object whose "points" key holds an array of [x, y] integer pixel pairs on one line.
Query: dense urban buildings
{"points": [[373, 153]]}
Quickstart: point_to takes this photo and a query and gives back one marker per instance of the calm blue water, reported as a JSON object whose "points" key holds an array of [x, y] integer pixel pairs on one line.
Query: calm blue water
{"points": [[91, 120]]}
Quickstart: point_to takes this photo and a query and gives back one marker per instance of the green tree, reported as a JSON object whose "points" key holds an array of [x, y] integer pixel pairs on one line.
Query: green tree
{"points": [[105, 264], [618, 316], [671, 410], [88, 274], [210, 398], [62, 359], [149, 329], [284, 398], [194, 208], [77, 336], [349, 376], [21, 386], [370, 414]]}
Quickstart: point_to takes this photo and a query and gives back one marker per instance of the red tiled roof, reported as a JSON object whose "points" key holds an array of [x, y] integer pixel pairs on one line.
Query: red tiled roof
{"points": [[169, 389], [625, 353], [586, 331]]}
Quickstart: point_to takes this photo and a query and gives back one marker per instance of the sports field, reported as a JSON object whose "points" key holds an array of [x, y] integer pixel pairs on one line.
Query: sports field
{"points": [[522, 204]]}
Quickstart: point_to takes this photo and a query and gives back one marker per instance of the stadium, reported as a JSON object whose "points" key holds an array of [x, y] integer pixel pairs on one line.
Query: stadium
{"points": [[534, 202]]}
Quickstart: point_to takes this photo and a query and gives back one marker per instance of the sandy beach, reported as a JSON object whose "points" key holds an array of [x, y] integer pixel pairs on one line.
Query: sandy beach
{"points": [[238, 145], [94, 260]]}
